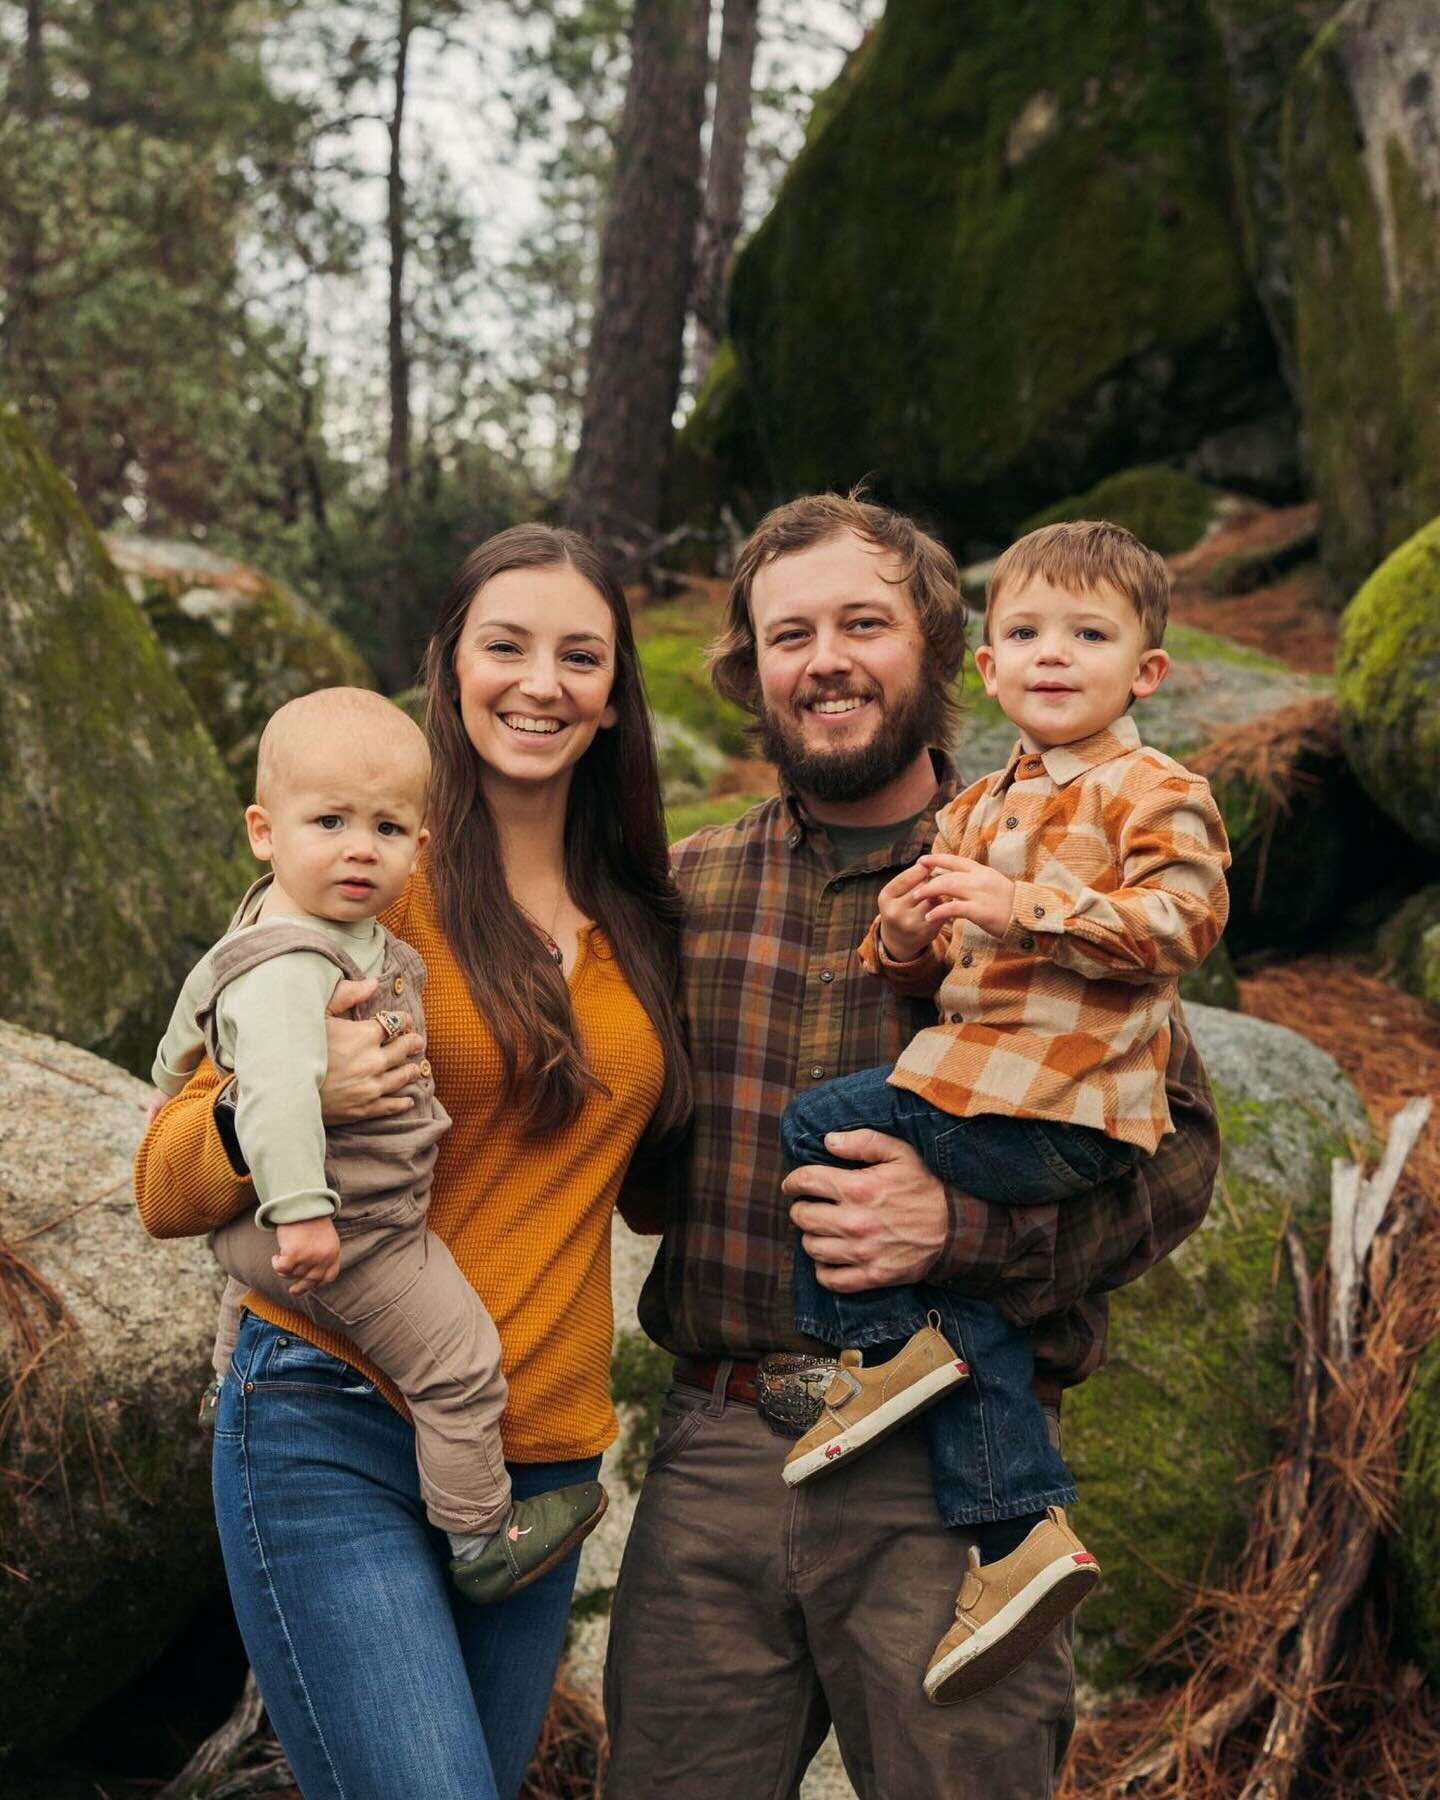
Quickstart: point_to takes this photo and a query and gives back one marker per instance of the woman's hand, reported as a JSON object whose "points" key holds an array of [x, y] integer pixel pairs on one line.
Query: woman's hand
{"points": [[367, 1069]]}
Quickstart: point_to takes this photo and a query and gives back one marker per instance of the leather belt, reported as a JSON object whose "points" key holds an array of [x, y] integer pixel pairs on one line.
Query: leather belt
{"points": [[741, 1384]]}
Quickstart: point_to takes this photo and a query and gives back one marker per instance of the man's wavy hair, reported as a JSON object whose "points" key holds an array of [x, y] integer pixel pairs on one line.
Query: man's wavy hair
{"points": [[926, 570]]}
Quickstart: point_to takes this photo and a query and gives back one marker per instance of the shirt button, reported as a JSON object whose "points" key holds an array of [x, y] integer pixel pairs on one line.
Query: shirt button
{"points": [[827, 974], [1011, 822], [1027, 943], [955, 1019], [398, 985], [966, 960], [425, 1065], [816, 1072], [1039, 912]]}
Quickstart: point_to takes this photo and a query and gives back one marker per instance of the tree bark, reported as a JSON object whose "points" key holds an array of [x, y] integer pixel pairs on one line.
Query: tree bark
{"points": [[647, 259], [398, 461], [724, 177], [401, 596]]}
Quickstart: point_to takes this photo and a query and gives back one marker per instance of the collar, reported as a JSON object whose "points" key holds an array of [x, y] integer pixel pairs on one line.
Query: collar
{"points": [[1064, 762], [803, 826]]}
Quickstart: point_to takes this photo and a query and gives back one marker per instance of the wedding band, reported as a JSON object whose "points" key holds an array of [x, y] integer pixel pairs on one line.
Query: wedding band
{"points": [[391, 1025]]}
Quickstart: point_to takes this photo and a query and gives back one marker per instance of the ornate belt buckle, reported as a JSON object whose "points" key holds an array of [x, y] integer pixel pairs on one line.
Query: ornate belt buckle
{"points": [[790, 1390]]}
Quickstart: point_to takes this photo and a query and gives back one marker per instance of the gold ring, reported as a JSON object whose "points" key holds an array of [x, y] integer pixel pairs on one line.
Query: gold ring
{"points": [[391, 1025]]}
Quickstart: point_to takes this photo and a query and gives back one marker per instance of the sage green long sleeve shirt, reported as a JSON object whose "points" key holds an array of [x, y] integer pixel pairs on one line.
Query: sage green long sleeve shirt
{"points": [[270, 1024]]}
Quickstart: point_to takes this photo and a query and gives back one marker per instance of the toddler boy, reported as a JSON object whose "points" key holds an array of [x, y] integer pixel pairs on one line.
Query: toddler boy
{"points": [[339, 1231], [1061, 900]]}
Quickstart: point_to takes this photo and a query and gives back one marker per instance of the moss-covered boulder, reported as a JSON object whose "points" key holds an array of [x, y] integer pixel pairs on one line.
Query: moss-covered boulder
{"points": [[1170, 1439], [105, 1524], [1005, 266], [678, 686], [123, 842], [241, 643], [1165, 508], [1363, 173], [1417, 1530], [1388, 684], [1262, 42], [1409, 945]]}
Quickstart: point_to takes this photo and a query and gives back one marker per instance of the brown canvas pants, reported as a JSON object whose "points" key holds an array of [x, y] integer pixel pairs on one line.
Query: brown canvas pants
{"points": [[401, 1300], [748, 1616]]}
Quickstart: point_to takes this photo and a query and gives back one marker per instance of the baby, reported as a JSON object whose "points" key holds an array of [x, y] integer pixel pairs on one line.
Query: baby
{"points": [[1062, 898], [339, 1230]]}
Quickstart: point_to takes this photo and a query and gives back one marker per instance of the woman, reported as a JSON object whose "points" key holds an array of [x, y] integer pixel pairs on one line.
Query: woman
{"points": [[548, 924]]}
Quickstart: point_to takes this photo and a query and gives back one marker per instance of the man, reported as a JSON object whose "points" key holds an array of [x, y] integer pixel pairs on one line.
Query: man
{"points": [[750, 1616]]}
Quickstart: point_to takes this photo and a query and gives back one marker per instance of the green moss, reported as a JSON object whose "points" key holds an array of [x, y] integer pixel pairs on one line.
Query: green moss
{"points": [[639, 1378], [681, 821], [677, 682], [1388, 686], [1408, 945], [124, 847], [1170, 1440], [1417, 1532], [979, 318], [1372, 427], [241, 643], [1164, 508]]}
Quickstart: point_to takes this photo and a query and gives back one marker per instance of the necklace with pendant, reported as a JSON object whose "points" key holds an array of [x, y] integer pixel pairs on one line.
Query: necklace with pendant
{"points": [[557, 955]]}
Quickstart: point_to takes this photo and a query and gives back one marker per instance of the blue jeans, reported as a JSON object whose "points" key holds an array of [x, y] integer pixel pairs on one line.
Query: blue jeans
{"points": [[379, 1679], [990, 1452]]}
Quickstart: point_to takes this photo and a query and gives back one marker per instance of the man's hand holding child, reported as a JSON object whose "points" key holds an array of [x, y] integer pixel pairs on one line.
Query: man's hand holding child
{"points": [[310, 1251]]}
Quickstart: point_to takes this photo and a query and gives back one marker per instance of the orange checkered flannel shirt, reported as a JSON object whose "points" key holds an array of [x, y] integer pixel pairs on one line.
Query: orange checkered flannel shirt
{"points": [[1118, 855]]}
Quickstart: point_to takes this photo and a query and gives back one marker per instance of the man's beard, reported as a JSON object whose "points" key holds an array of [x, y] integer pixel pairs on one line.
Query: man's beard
{"points": [[909, 725]]}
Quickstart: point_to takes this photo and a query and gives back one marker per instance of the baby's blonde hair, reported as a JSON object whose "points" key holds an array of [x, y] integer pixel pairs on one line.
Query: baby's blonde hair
{"points": [[365, 726]]}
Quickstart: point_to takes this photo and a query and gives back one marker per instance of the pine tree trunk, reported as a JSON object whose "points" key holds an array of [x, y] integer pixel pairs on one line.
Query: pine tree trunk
{"points": [[401, 596], [725, 177], [647, 258]]}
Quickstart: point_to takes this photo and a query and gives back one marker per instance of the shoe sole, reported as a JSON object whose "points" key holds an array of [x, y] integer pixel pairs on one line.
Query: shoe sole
{"points": [[1003, 1643], [886, 1418], [575, 1536]]}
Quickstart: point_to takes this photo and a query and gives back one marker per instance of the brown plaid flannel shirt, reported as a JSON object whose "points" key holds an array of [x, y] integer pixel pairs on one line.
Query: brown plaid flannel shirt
{"points": [[777, 1000]]}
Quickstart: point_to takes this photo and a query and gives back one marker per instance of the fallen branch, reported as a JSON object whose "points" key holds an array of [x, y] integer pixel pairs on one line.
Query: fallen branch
{"points": [[1271, 1643], [220, 1749]]}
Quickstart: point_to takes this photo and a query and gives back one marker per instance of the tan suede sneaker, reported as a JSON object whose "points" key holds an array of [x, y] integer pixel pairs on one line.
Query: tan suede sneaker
{"points": [[863, 1405], [1005, 1608]]}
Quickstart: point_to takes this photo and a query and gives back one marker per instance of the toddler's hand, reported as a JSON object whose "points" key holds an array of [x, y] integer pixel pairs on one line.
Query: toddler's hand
{"points": [[310, 1251], [905, 928], [152, 1112], [958, 888]]}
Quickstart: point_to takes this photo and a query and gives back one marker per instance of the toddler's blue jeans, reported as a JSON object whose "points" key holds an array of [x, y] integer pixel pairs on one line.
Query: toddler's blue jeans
{"points": [[990, 1452]]}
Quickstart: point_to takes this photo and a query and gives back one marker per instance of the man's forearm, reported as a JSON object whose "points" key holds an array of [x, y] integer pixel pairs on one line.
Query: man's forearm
{"points": [[184, 1182]]}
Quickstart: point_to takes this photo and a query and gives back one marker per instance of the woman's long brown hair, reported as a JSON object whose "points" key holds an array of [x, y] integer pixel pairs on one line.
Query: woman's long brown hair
{"points": [[617, 861]]}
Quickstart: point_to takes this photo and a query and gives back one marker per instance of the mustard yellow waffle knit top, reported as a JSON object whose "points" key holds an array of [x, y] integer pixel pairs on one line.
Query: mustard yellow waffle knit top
{"points": [[526, 1218]]}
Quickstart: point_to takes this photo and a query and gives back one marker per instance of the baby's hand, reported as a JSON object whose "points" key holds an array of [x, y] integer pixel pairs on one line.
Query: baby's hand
{"points": [[152, 1112], [959, 888], [310, 1251], [905, 927]]}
